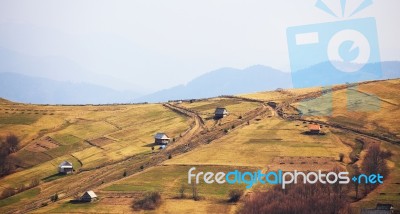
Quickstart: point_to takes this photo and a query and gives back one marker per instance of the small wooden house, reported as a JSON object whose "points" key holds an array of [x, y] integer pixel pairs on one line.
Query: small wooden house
{"points": [[89, 196], [380, 209], [220, 113], [314, 129], [161, 139], [65, 168]]}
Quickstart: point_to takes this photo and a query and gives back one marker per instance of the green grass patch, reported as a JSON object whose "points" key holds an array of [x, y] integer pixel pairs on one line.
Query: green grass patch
{"points": [[169, 179], [66, 138], [20, 196], [20, 119]]}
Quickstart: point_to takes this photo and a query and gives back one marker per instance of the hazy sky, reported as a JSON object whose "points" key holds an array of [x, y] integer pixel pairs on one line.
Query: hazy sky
{"points": [[156, 44]]}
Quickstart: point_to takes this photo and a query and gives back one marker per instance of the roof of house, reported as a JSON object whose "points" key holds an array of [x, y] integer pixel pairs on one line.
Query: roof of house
{"points": [[90, 193], [314, 127], [161, 136], [65, 164], [384, 206], [221, 111]]}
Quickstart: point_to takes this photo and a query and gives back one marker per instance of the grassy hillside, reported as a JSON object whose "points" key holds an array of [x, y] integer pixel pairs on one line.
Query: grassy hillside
{"points": [[105, 142]]}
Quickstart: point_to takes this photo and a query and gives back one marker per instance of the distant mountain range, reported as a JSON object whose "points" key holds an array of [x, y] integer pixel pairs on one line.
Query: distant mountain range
{"points": [[56, 68], [230, 81], [27, 89], [224, 81]]}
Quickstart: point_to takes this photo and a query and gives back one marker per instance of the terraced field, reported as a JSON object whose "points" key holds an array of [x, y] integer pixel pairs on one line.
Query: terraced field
{"points": [[110, 146]]}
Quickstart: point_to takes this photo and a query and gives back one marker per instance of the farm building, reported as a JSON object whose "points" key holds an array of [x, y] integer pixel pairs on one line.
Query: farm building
{"points": [[89, 196], [220, 113], [380, 209], [161, 139], [65, 167], [314, 129]]}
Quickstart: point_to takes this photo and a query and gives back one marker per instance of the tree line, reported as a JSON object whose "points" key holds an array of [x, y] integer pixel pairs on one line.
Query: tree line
{"points": [[8, 145], [319, 198]]}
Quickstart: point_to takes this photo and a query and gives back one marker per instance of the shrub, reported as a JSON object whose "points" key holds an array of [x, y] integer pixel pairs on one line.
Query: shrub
{"points": [[235, 195], [341, 157], [149, 202], [141, 167], [182, 191], [34, 183], [169, 156], [7, 192], [54, 197]]}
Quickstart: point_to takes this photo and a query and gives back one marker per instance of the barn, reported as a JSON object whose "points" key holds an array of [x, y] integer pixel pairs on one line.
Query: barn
{"points": [[65, 168], [89, 196], [220, 113], [314, 129], [161, 139]]}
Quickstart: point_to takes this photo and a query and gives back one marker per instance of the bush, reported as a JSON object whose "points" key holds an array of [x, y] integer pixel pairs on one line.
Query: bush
{"points": [[150, 202], [34, 183], [341, 157], [169, 156], [182, 191], [235, 195], [54, 197], [7, 192]]}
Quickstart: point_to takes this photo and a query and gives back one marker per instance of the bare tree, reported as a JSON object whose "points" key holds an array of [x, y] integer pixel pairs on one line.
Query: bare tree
{"points": [[356, 172], [12, 143]]}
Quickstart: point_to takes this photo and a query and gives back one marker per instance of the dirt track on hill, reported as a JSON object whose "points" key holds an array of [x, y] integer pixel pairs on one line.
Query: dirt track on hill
{"points": [[198, 134], [96, 178]]}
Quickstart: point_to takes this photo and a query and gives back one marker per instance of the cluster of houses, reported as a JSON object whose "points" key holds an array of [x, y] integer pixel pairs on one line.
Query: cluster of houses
{"points": [[161, 139]]}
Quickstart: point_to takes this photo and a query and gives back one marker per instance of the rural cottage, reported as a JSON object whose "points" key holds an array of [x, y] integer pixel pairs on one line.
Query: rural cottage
{"points": [[220, 113], [65, 168], [161, 139], [89, 196]]}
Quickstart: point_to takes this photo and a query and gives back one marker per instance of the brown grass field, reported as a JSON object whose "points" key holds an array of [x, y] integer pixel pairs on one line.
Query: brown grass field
{"points": [[105, 141]]}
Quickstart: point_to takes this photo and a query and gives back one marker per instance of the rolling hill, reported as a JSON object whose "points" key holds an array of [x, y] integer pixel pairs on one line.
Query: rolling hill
{"points": [[111, 146]]}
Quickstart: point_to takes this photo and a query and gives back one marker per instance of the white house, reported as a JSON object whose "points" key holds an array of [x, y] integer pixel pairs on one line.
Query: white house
{"points": [[161, 139], [89, 196]]}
